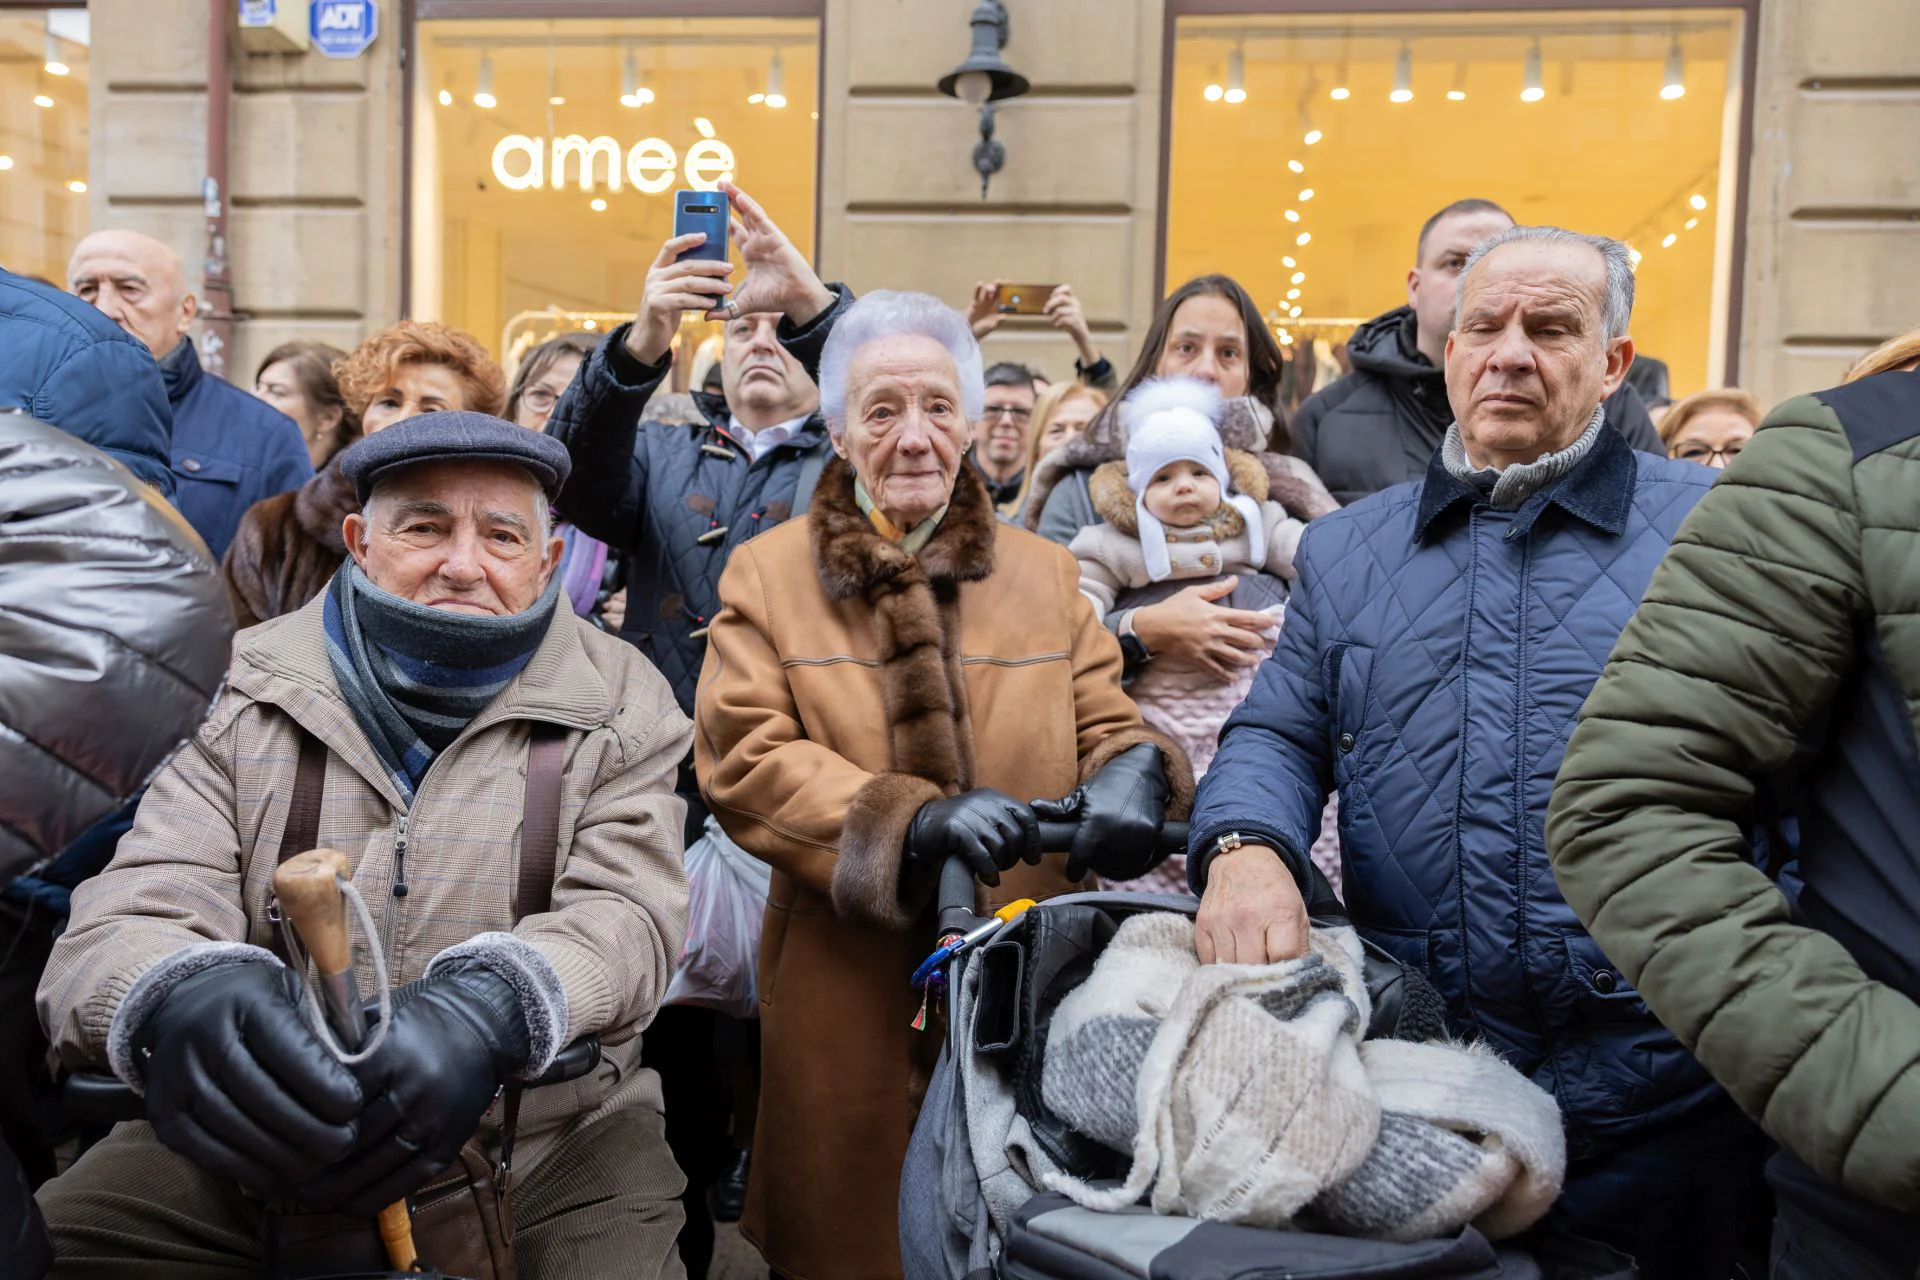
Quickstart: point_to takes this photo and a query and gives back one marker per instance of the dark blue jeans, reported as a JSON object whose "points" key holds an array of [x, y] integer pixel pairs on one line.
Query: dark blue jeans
{"points": [[1678, 1200], [1822, 1233]]}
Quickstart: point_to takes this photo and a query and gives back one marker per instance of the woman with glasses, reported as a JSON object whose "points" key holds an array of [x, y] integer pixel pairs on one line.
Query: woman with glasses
{"points": [[588, 574], [1711, 427]]}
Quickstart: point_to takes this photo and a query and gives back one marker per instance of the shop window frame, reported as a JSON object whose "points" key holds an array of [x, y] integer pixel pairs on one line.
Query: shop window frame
{"points": [[414, 12], [1749, 50]]}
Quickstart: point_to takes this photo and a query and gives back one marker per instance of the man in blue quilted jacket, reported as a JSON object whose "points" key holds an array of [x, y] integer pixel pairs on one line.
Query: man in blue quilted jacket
{"points": [[1437, 649]]}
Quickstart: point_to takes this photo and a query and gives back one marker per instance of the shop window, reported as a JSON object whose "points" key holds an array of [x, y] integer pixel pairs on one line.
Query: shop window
{"points": [[43, 139], [547, 154], [1307, 149]]}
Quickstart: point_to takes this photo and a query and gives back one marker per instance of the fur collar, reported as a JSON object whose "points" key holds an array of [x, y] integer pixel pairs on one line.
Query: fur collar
{"points": [[322, 503], [1114, 501], [854, 560]]}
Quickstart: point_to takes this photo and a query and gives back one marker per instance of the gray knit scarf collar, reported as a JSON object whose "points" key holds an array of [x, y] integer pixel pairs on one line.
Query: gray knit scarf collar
{"points": [[1509, 487], [416, 677]]}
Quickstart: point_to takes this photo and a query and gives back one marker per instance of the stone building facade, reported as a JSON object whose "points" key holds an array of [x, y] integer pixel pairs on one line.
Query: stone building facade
{"points": [[1828, 261]]}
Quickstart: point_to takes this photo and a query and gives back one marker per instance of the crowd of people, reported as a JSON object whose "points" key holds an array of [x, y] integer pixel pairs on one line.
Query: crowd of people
{"points": [[1474, 649]]}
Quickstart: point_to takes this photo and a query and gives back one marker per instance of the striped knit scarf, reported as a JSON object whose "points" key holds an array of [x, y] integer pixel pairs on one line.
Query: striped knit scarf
{"points": [[415, 677]]}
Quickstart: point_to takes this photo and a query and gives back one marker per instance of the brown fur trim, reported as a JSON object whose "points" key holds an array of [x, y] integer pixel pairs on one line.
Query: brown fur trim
{"points": [[1180, 783], [866, 875], [854, 559], [1113, 498], [1295, 487], [323, 503], [1081, 453]]}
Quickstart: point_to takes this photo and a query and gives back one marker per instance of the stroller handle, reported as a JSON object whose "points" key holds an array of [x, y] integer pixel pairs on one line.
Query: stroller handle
{"points": [[956, 878]]}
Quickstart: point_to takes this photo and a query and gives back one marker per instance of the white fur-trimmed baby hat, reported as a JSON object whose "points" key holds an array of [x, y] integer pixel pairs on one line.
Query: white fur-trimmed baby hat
{"points": [[1177, 420]]}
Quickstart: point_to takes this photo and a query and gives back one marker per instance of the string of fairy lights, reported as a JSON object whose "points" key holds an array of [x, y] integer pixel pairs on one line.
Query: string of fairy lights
{"points": [[1670, 222]]}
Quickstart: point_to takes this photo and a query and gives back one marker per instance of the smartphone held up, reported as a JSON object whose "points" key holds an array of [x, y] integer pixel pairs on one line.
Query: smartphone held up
{"points": [[705, 212], [1023, 299]]}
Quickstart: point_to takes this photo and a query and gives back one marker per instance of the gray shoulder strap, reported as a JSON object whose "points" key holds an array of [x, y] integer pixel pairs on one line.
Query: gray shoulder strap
{"points": [[811, 465]]}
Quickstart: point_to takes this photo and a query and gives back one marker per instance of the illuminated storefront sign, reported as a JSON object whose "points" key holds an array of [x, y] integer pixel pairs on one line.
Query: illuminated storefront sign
{"points": [[649, 166]]}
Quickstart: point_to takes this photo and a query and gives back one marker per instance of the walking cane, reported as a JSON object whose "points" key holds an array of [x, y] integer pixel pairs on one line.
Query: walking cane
{"points": [[308, 886]]}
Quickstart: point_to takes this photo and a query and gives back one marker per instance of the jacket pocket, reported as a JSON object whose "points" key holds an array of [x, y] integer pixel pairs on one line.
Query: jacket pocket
{"points": [[1601, 987], [1412, 948], [1347, 671], [207, 470]]}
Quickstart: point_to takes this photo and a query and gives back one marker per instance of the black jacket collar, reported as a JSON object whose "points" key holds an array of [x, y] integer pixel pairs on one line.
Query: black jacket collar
{"points": [[1599, 490]]}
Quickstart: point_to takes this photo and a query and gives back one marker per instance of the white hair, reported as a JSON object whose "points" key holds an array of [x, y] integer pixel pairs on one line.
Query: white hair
{"points": [[1615, 256], [542, 515], [888, 313]]}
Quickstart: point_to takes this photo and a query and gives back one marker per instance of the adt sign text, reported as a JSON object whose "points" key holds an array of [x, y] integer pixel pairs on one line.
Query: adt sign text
{"points": [[344, 28]]}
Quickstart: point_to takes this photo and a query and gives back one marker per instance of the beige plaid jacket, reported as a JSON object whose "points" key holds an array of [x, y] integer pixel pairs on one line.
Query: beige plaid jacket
{"points": [[198, 865]]}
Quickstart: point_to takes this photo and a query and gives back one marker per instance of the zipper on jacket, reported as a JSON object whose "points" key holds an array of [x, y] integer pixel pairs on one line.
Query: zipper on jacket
{"points": [[400, 857]]}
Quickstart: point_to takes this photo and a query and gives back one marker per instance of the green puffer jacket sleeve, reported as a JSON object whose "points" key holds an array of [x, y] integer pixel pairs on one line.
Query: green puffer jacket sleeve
{"points": [[1744, 635]]}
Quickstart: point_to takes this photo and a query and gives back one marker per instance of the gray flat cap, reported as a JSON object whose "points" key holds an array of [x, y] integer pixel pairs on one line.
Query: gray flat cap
{"points": [[455, 436]]}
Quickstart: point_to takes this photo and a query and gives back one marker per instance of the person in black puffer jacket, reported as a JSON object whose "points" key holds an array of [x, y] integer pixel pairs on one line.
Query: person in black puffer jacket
{"points": [[114, 639], [1381, 424]]}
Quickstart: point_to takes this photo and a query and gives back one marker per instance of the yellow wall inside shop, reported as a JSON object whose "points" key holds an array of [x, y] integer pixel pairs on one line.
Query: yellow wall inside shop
{"points": [[503, 252], [1602, 152]]}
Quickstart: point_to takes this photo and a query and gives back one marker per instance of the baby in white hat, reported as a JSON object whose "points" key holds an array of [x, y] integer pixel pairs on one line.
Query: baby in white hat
{"points": [[1181, 510]]}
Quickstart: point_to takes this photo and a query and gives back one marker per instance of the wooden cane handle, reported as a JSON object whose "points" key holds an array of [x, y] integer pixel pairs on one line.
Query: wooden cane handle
{"points": [[396, 1232], [308, 886]]}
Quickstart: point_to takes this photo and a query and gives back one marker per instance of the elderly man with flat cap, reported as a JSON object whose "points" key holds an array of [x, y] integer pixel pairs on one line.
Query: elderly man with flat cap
{"points": [[500, 776]]}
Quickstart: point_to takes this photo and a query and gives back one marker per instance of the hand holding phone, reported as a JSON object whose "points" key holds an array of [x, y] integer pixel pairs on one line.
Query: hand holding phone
{"points": [[689, 274]]}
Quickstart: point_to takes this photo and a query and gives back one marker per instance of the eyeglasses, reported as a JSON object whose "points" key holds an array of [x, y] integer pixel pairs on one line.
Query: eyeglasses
{"points": [[1012, 412], [538, 399], [1694, 451]]}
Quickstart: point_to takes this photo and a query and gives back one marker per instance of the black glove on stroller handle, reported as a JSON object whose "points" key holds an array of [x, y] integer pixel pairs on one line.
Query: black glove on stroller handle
{"points": [[956, 880]]}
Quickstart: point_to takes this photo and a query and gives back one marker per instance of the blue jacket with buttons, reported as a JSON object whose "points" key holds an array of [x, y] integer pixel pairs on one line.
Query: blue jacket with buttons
{"points": [[65, 363], [1435, 656], [230, 449], [676, 498]]}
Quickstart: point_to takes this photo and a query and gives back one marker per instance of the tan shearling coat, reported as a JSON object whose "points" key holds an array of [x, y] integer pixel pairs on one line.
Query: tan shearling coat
{"points": [[846, 684], [198, 865]]}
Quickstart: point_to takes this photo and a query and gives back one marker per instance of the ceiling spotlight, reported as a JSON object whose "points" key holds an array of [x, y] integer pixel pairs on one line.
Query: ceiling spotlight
{"points": [[1236, 76], [1213, 93], [78, 187], [1531, 90], [446, 97], [1312, 136], [597, 205], [1698, 202], [1634, 256], [1402, 75], [1299, 277], [1306, 193], [1691, 224], [1288, 263], [632, 92], [1292, 215], [1340, 92], [1668, 242], [556, 100], [1675, 84], [6, 162], [1304, 238], [55, 65], [1459, 91], [1296, 166], [1294, 311], [776, 96], [42, 101], [1292, 294], [483, 87]]}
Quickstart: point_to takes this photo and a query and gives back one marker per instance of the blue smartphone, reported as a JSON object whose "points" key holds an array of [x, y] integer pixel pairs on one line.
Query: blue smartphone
{"points": [[702, 211]]}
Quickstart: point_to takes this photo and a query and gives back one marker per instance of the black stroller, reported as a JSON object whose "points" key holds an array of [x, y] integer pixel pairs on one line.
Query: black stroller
{"points": [[982, 1213]]}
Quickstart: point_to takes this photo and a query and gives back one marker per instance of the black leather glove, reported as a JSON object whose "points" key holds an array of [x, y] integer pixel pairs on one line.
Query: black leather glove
{"points": [[1120, 811], [238, 1082], [455, 1039], [989, 829]]}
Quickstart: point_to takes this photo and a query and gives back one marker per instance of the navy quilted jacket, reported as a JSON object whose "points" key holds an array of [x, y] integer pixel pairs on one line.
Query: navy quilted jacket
{"points": [[677, 498], [1436, 655]]}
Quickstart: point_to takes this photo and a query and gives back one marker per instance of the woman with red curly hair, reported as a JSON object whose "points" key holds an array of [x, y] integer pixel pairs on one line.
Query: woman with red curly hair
{"points": [[289, 546]]}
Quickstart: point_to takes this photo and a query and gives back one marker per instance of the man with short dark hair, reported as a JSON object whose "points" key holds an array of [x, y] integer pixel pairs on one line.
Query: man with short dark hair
{"points": [[1380, 424], [1000, 436]]}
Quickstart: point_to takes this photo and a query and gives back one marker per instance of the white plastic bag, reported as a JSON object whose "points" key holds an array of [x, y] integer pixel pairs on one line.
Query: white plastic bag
{"points": [[726, 897]]}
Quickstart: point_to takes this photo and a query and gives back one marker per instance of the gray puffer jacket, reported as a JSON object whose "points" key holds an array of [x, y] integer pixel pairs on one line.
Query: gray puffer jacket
{"points": [[115, 634]]}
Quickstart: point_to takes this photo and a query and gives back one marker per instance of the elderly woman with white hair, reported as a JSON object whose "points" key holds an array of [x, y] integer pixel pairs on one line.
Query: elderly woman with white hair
{"points": [[887, 686]]}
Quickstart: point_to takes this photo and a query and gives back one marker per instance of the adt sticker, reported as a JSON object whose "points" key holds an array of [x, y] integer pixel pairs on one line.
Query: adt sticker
{"points": [[344, 28], [258, 13]]}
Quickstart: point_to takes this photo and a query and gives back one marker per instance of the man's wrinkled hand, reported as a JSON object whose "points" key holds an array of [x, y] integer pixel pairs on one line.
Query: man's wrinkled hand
{"points": [[1252, 911]]}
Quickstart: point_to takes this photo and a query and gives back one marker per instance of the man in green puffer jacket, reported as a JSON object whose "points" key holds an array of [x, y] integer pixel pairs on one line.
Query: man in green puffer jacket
{"points": [[1776, 658]]}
